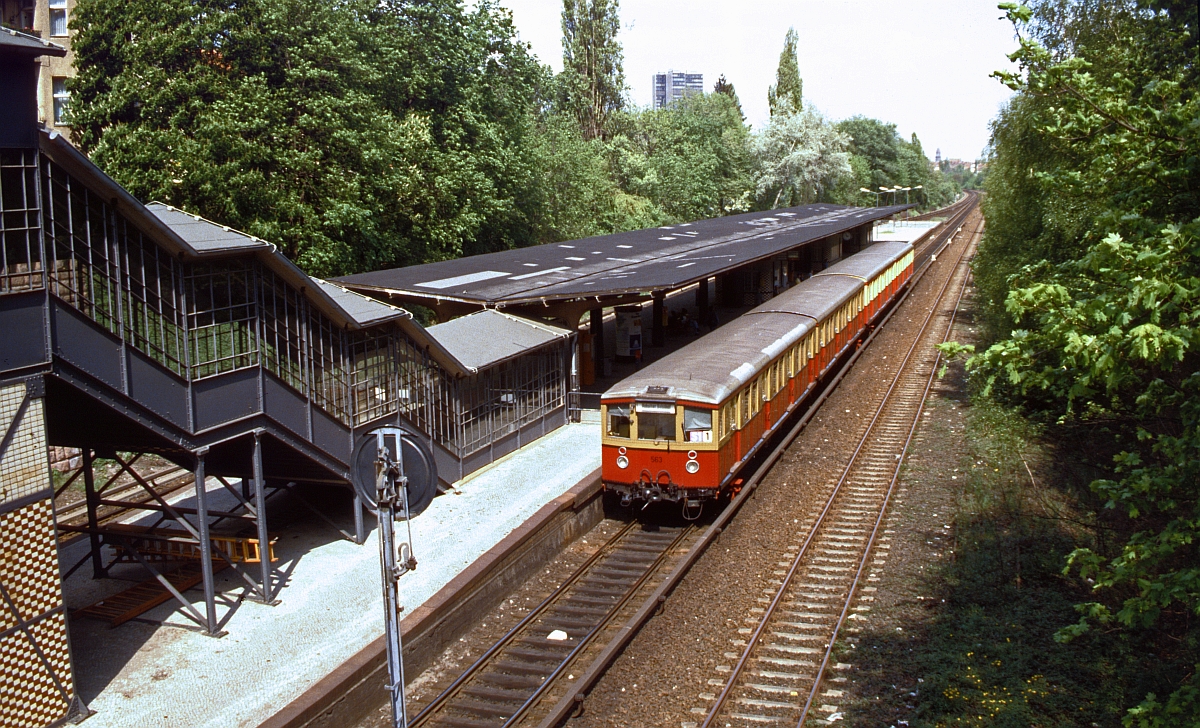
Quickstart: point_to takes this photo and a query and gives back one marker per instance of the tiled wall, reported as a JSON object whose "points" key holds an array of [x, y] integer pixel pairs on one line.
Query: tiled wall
{"points": [[36, 682]]}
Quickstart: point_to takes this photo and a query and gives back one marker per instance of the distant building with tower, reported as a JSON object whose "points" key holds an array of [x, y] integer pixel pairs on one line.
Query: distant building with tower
{"points": [[937, 156], [674, 85]]}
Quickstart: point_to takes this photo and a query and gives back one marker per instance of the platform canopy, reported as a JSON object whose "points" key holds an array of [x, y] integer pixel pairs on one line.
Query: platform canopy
{"points": [[612, 266]]}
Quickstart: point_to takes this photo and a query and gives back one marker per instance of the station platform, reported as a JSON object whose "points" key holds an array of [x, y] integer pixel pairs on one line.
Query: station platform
{"points": [[904, 231], [160, 670]]}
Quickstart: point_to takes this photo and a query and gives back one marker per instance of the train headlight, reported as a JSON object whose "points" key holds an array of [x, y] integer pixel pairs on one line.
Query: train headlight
{"points": [[692, 466], [622, 462]]}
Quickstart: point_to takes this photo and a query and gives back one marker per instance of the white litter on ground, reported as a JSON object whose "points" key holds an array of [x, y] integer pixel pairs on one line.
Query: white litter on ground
{"points": [[557, 635], [331, 607]]}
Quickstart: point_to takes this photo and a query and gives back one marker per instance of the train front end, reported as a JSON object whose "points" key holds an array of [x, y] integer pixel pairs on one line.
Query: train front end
{"points": [[656, 447]]}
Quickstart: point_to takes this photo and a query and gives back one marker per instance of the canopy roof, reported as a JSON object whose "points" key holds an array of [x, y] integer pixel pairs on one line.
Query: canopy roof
{"points": [[663, 258]]}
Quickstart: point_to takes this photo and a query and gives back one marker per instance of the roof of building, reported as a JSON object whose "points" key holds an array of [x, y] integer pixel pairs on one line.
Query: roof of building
{"points": [[13, 41], [204, 236], [366, 311], [488, 337], [663, 258]]}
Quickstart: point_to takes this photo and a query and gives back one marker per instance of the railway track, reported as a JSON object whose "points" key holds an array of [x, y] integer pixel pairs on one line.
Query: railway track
{"points": [[527, 679], [779, 675], [515, 680]]}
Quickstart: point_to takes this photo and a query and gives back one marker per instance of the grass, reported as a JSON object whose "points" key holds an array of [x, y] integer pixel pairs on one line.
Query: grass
{"points": [[987, 653]]}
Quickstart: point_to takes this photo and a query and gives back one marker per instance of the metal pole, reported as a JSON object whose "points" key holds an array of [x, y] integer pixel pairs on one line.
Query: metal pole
{"points": [[89, 484], [390, 478], [206, 572], [260, 513], [360, 535]]}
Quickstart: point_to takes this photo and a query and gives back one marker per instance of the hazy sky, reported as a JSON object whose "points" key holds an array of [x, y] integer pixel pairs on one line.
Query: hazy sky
{"points": [[920, 64]]}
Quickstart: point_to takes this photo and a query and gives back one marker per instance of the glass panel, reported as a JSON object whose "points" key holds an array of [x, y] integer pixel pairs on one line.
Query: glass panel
{"points": [[697, 425], [655, 426], [618, 420], [58, 17]]}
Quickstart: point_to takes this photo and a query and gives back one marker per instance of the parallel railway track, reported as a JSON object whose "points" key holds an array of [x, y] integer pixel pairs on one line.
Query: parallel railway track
{"points": [[778, 677], [516, 679]]}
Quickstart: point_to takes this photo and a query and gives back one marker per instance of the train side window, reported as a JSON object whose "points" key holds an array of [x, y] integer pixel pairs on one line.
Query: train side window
{"points": [[618, 420], [656, 421], [697, 425], [744, 398]]}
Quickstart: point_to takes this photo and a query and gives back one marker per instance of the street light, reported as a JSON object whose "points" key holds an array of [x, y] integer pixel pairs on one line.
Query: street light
{"points": [[869, 192], [885, 190]]}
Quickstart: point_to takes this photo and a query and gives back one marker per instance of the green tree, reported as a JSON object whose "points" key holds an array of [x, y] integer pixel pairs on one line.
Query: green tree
{"points": [[355, 135], [800, 155], [1092, 189], [593, 78], [786, 95], [691, 159], [725, 87]]}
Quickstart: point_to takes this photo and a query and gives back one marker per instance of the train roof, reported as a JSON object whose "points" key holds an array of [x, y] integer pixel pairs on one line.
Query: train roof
{"points": [[870, 262], [715, 366]]}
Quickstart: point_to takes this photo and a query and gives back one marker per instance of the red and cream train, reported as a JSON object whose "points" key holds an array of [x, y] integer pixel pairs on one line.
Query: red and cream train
{"points": [[681, 428]]}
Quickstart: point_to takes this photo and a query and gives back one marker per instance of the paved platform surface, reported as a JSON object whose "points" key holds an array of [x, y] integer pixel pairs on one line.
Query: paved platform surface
{"points": [[155, 674], [905, 231]]}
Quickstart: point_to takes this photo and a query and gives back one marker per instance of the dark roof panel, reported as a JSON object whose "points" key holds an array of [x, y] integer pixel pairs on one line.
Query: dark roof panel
{"points": [[204, 236], [488, 337], [12, 41], [661, 258], [363, 310]]}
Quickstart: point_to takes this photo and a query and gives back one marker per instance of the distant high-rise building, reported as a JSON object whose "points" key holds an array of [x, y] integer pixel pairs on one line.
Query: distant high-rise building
{"points": [[674, 85]]}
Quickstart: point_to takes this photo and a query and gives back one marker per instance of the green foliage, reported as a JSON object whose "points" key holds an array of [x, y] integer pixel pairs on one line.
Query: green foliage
{"points": [[800, 155], [355, 135], [786, 95], [691, 159], [1093, 234], [722, 86], [879, 157], [593, 79]]}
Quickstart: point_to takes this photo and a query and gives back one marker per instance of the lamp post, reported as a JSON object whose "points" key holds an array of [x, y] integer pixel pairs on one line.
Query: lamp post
{"points": [[884, 190], [920, 187], [869, 192]]}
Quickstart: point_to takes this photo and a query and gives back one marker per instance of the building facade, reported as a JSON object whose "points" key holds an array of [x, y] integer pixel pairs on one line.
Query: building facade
{"points": [[49, 20], [674, 85]]}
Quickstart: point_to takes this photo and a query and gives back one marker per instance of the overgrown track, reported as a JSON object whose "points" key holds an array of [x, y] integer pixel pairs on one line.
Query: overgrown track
{"points": [[516, 677], [778, 676]]}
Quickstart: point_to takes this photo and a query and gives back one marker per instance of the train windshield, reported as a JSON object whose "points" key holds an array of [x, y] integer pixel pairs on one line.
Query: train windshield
{"points": [[656, 420], [697, 425], [618, 420]]}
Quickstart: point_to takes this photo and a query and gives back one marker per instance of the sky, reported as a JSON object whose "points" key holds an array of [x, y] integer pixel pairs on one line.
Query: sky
{"points": [[922, 65]]}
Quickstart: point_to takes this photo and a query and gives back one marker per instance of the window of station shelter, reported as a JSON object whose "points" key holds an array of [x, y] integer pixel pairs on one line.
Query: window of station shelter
{"points": [[618, 420], [655, 421]]}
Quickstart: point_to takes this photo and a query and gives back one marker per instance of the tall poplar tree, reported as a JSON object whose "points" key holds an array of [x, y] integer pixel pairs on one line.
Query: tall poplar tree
{"points": [[786, 95], [593, 77]]}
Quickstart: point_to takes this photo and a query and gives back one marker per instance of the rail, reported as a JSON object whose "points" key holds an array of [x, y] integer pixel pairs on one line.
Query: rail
{"points": [[506, 683], [834, 532], [654, 604]]}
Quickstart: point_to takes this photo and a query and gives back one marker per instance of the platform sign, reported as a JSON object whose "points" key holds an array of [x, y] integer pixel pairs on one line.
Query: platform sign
{"points": [[629, 331]]}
